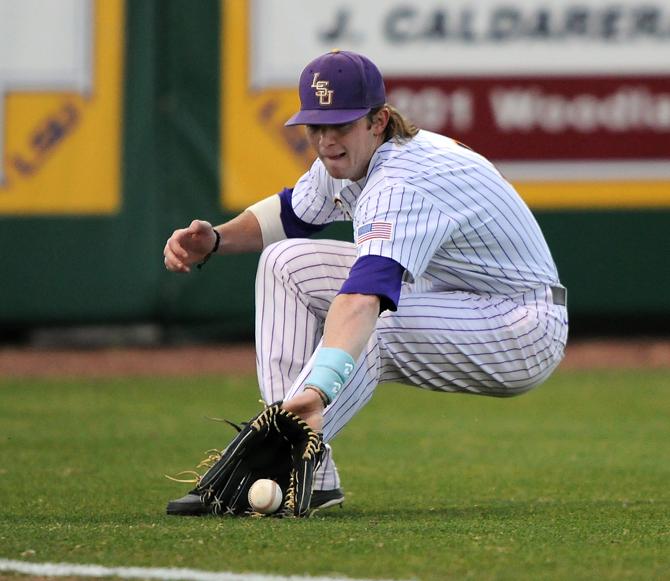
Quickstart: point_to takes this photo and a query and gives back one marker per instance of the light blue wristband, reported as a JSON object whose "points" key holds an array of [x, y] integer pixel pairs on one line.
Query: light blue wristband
{"points": [[332, 368]]}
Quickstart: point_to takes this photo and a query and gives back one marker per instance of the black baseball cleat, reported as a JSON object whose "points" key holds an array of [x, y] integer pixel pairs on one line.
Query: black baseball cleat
{"points": [[188, 505], [326, 498]]}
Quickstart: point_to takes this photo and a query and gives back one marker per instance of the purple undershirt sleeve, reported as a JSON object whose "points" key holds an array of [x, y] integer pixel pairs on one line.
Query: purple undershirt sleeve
{"points": [[376, 275], [294, 227]]}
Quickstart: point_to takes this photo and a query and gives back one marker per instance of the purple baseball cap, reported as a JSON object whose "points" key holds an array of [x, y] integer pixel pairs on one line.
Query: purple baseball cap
{"points": [[338, 87]]}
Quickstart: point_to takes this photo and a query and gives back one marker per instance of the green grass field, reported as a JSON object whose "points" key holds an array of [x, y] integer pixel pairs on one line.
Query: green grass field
{"points": [[571, 481]]}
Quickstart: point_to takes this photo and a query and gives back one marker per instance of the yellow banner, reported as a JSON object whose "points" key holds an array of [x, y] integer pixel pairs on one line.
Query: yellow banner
{"points": [[62, 110], [616, 195], [259, 155]]}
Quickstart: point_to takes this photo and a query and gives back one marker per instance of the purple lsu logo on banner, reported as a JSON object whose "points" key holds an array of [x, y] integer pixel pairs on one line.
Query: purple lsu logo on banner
{"points": [[374, 231]]}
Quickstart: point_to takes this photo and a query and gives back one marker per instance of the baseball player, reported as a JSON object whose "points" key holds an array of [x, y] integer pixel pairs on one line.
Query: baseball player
{"points": [[448, 285]]}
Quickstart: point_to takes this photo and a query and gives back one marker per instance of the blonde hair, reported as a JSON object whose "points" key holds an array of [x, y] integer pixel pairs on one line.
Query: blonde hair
{"points": [[399, 128]]}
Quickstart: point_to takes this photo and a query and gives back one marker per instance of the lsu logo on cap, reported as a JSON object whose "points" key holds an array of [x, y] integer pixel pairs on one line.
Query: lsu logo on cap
{"points": [[324, 94]]}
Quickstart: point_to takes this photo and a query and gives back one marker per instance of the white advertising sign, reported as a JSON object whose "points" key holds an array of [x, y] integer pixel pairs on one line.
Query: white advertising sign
{"points": [[463, 37]]}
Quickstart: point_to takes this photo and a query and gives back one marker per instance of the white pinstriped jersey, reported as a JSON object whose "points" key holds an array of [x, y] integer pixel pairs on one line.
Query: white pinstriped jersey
{"points": [[439, 209]]}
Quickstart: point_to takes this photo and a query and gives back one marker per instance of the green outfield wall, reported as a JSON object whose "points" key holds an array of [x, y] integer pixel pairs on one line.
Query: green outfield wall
{"points": [[65, 268]]}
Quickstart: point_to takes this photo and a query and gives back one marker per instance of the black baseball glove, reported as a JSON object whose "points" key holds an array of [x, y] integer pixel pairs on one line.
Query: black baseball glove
{"points": [[276, 444]]}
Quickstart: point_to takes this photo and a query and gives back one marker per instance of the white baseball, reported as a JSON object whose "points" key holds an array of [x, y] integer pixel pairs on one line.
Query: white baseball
{"points": [[265, 496]]}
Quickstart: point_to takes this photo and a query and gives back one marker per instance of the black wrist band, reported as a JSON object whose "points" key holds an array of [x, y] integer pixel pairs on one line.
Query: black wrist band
{"points": [[213, 250]]}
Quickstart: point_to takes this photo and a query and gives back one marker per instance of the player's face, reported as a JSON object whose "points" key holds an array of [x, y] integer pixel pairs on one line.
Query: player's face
{"points": [[346, 150]]}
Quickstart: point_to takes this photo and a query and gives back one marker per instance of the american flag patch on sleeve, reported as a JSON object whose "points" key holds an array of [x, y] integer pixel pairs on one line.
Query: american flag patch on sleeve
{"points": [[374, 231]]}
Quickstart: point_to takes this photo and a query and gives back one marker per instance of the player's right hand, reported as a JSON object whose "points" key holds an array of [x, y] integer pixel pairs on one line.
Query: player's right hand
{"points": [[188, 246]]}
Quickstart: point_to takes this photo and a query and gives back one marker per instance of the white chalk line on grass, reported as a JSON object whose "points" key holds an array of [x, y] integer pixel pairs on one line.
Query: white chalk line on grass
{"points": [[74, 570]]}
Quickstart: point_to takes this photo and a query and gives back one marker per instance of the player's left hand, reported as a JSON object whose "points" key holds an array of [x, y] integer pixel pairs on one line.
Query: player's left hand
{"points": [[309, 406], [274, 444]]}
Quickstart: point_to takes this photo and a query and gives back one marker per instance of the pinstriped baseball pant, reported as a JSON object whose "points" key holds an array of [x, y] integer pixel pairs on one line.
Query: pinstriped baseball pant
{"points": [[449, 341]]}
